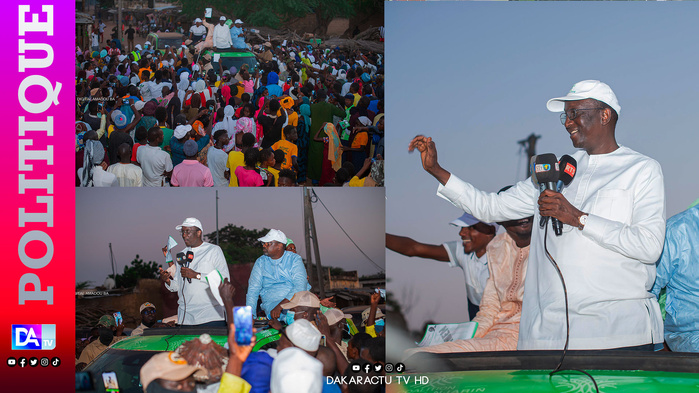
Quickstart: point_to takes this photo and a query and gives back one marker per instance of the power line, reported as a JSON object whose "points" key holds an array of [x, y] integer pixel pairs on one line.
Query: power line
{"points": [[345, 232]]}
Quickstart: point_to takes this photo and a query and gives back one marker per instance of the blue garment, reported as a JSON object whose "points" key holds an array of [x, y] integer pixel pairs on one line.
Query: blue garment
{"points": [[177, 148], [273, 85], [238, 42], [257, 371], [678, 271], [275, 280]]}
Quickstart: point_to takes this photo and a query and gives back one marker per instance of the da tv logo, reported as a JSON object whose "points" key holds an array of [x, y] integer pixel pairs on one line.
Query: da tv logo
{"points": [[33, 337]]}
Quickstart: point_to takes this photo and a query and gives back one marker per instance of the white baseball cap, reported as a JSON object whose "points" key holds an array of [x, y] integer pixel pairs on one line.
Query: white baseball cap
{"points": [[583, 90], [304, 335], [334, 316], [293, 370], [274, 235], [238, 21], [198, 20], [222, 18], [190, 222], [182, 130], [467, 220]]}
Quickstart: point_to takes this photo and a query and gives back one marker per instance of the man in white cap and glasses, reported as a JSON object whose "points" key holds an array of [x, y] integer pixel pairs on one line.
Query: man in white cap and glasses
{"points": [[469, 254], [197, 304], [222, 35], [197, 32], [237, 35], [613, 216], [148, 318], [276, 276]]}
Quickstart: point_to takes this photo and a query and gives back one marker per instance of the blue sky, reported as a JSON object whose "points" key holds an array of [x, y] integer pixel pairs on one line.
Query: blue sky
{"points": [[476, 77]]}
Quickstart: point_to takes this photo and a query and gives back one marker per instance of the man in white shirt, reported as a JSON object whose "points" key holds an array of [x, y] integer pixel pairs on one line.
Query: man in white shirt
{"points": [[127, 174], [613, 213], [222, 35], [217, 158], [155, 163], [197, 304], [469, 254]]}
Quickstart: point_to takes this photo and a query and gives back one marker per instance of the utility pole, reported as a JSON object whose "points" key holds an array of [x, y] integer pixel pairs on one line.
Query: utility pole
{"points": [[530, 144], [307, 238], [112, 262], [311, 233], [119, 19]]}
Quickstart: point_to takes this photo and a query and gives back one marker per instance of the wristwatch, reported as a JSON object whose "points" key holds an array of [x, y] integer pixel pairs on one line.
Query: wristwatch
{"points": [[198, 276], [582, 220]]}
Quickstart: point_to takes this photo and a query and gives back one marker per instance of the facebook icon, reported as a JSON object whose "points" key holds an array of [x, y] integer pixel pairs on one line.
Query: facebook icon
{"points": [[33, 337]]}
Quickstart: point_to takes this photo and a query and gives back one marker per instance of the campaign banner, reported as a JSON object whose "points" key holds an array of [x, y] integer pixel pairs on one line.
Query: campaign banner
{"points": [[37, 332]]}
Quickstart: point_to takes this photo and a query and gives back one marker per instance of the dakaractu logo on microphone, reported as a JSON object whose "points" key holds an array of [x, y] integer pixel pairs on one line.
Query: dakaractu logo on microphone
{"points": [[33, 337]]}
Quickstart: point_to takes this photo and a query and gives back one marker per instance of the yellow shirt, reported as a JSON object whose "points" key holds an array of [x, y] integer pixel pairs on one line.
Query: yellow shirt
{"points": [[289, 149], [235, 159], [233, 384], [276, 175], [357, 182]]}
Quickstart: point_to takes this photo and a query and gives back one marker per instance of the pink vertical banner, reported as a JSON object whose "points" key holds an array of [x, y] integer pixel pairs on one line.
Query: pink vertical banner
{"points": [[38, 205]]}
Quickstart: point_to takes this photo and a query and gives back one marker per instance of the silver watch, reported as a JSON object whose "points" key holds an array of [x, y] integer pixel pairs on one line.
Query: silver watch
{"points": [[583, 220], [199, 276]]}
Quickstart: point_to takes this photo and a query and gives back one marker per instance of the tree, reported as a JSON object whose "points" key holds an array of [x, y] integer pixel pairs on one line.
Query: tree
{"points": [[239, 244], [136, 271]]}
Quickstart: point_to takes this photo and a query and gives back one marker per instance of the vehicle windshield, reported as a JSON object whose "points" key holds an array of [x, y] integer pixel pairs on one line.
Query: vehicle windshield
{"points": [[237, 62], [127, 366], [174, 42]]}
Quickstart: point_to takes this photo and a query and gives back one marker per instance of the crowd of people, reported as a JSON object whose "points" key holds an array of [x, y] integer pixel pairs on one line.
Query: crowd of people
{"points": [[317, 343], [604, 271], [175, 117]]}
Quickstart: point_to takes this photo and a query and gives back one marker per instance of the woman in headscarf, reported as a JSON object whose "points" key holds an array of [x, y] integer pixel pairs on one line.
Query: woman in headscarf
{"points": [[228, 123], [182, 87], [244, 125], [292, 118], [302, 142], [273, 85], [332, 152]]}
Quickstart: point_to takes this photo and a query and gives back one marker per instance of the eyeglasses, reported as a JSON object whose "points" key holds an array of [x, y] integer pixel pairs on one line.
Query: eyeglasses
{"points": [[573, 113], [148, 311], [190, 230]]}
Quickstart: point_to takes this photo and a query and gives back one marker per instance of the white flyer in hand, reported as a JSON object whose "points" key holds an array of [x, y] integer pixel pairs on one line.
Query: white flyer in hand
{"points": [[207, 12], [217, 57], [447, 332], [171, 243], [214, 279]]}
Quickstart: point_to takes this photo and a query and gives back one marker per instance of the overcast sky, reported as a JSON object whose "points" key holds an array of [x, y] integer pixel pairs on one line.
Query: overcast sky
{"points": [[476, 77], [139, 220]]}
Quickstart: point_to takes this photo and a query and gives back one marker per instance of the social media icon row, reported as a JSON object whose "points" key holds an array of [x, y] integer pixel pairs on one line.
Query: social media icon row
{"points": [[33, 362], [377, 367]]}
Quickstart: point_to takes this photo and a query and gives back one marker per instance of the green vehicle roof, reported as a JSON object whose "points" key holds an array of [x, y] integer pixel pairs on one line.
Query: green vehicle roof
{"points": [[231, 54], [172, 342]]}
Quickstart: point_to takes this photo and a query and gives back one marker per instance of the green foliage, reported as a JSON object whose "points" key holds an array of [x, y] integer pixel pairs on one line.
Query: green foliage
{"points": [[82, 285], [239, 244], [274, 13], [136, 271]]}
